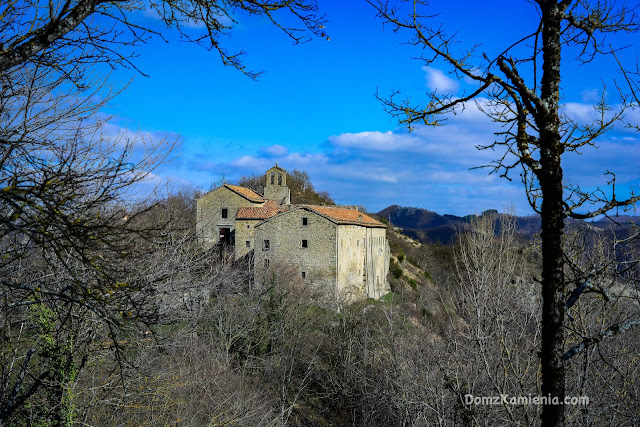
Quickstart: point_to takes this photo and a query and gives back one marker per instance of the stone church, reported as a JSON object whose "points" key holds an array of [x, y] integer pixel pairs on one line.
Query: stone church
{"points": [[338, 248]]}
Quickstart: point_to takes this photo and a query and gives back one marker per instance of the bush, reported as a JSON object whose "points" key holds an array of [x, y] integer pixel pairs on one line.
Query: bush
{"points": [[396, 270], [389, 296]]}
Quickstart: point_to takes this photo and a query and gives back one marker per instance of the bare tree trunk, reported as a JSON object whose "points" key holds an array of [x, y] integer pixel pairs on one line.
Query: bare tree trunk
{"points": [[552, 211]]}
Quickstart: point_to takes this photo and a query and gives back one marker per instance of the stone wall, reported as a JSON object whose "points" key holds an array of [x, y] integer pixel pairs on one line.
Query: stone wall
{"points": [[286, 232], [378, 253], [345, 262], [209, 219], [276, 188], [363, 260], [245, 230]]}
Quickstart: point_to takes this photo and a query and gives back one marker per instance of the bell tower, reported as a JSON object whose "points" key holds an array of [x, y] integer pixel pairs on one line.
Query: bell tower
{"points": [[276, 188]]}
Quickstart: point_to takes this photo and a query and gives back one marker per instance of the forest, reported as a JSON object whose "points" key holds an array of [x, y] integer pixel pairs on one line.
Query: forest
{"points": [[194, 341]]}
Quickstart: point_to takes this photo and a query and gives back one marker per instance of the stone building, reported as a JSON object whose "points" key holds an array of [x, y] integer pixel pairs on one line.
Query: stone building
{"points": [[340, 249]]}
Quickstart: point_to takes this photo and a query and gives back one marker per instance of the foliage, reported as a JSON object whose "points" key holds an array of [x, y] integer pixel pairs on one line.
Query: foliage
{"points": [[299, 183], [395, 269], [70, 242]]}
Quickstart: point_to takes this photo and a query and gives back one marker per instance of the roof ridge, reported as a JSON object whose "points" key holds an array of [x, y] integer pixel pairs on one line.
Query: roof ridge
{"points": [[348, 216], [238, 189]]}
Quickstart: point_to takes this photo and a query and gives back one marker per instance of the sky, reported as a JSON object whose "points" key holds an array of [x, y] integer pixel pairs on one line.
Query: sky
{"points": [[314, 109]]}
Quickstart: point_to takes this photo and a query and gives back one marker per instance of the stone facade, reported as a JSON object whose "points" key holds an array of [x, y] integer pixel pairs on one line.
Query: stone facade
{"points": [[339, 249], [363, 262], [310, 248], [216, 212], [276, 188]]}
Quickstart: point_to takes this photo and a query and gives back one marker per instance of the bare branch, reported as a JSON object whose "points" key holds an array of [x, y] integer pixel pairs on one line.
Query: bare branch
{"points": [[608, 333]]}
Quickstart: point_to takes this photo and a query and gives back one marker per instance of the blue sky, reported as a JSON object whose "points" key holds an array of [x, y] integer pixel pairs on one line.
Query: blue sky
{"points": [[314, 109]]}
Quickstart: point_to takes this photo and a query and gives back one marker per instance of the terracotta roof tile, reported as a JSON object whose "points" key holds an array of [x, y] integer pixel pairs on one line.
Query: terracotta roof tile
{"points": [[247, 193], [345, 216], [271, 204], [259, 212]]}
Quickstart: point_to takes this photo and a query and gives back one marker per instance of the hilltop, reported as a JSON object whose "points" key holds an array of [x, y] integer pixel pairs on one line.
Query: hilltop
{"points": [[430, 227]]}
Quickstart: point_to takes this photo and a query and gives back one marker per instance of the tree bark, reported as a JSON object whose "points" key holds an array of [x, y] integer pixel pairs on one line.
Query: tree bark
{"points": [[44, 37], [552, 212]]}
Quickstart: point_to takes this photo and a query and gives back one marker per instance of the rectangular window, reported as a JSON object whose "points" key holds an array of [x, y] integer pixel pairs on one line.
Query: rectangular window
{"points": [[266, 245], [304, 274], [225, 213], [266, 263], [305, 221], [305, 244], [248, 242]]}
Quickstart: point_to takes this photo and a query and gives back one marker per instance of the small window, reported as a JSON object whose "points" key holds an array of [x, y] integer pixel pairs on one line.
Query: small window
{"points": [[225, 213], [305, 244], [266, 245], [248, 243], [304, 274], [305, 221], [273, 177], [248, 226], [266, 263]]}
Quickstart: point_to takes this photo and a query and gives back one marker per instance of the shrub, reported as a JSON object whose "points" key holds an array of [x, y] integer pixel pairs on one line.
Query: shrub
{"points": [[396, 270]]}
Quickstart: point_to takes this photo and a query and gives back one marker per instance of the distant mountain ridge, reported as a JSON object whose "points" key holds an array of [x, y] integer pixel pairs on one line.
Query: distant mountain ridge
{"points": [[430, 227]]}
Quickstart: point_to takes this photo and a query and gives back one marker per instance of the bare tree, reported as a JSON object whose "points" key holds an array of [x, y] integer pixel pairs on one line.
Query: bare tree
{"points": [[500, 307], [76, 227], [522, 84], [68, 35], [70, 239]]}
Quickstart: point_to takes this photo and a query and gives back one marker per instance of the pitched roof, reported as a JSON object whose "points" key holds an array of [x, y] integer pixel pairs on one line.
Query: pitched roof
{"points": [[247, 193], [278, 167], [341, 216], [345, 216], [260, 212]]}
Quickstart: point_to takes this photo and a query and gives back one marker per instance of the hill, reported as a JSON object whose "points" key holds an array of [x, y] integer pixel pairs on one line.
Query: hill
{"points": [[430, 227]]}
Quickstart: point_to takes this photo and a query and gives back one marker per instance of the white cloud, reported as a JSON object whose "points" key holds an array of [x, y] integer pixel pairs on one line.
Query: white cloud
{"points": [[590, 95], [429, 167], [275, 150], [375, 140], [580, 112], [438, 81]]}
